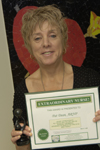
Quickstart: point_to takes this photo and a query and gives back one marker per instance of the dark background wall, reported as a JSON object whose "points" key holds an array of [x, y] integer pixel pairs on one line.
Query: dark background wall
{"points": [[78, 10]]}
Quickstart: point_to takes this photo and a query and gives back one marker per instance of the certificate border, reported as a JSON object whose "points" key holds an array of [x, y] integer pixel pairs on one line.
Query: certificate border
{"points": [[56, 97], [63, 104]]}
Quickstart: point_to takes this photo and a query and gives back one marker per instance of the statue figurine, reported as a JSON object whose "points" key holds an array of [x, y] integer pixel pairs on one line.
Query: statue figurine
{"points": [[24, 140]]}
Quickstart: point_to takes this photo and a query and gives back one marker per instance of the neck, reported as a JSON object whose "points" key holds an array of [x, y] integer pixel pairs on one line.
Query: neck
{"points": [[52, 71], [54, 75]]}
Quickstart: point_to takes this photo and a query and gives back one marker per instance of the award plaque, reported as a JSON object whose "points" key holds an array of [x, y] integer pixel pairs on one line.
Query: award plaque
{"points": [[24, 139]]}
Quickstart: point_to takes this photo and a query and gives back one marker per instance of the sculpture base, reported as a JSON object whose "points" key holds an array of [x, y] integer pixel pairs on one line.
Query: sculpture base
{"points": [[23, 140]]}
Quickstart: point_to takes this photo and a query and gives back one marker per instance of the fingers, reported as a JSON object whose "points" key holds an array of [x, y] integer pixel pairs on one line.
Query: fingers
{"points": [[27, 133], [27, 130], [15, 135], [14, 139], [26, 127], [97, 113], [97, 116]]}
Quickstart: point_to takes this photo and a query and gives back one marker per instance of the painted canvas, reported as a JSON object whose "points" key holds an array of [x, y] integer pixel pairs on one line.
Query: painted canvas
{"points": [[83, 21]]}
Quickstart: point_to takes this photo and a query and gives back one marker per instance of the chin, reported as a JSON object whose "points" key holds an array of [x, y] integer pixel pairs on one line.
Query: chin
{"points": [[50, 61], [47, 64]]}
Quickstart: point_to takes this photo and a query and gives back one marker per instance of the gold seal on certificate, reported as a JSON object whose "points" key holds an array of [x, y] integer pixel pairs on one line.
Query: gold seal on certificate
{"points": [[63, 118]]}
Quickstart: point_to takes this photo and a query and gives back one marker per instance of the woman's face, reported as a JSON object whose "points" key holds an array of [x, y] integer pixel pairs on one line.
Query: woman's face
{"points": [[46, 44]]}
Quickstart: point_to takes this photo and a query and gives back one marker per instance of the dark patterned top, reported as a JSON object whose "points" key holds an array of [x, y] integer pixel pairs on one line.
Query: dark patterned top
{"points": [[83, 77]]}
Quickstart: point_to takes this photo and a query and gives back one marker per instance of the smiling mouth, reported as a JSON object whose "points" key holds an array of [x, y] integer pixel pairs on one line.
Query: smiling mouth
{"points": [[47, 52]]}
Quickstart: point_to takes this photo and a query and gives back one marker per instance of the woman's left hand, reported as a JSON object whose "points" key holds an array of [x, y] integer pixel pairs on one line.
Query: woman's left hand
{"points": [[97, 116]]}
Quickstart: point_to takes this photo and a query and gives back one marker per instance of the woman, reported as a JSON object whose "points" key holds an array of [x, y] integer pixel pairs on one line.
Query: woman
{"points": [[45, 35]]}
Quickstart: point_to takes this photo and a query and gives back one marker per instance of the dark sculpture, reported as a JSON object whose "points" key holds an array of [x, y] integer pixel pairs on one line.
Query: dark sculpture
{"points": [[24, 140]]}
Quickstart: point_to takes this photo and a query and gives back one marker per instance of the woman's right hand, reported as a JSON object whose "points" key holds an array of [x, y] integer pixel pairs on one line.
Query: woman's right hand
{"points": [[16, 135]]}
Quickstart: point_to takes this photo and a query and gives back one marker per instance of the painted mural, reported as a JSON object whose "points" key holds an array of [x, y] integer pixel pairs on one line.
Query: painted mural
{"points": [[83, 21]]}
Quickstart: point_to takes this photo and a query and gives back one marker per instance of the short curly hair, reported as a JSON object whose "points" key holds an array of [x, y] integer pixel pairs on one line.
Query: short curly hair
{"points": [[34, 17]]}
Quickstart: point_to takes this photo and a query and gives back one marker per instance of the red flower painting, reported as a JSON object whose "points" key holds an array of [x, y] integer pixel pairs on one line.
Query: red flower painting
{"points": [[75, 52]]}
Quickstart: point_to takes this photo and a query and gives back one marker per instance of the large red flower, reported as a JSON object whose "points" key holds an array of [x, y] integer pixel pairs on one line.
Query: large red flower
{"points": [[75, 52]]}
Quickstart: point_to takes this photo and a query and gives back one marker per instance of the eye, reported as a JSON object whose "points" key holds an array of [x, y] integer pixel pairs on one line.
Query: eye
{"points": [[37, 39], [53, 35]]}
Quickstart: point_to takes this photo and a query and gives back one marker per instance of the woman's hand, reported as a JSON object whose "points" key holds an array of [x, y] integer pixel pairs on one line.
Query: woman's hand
{"points": [[17, 134], [97, 116]]}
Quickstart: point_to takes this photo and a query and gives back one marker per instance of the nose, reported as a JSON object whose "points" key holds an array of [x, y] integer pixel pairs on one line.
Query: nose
{"points": [[46, 42]]}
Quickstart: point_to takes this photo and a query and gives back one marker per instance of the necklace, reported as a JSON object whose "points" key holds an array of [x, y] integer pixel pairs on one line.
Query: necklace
{"points": [[62, 78]]}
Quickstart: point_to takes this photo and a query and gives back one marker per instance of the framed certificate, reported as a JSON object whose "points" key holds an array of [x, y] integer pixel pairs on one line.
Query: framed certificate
{"points": [[63, 118]]}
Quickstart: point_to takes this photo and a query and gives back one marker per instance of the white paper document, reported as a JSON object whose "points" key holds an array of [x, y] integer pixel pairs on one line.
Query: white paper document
{"points": [[63, 118]]}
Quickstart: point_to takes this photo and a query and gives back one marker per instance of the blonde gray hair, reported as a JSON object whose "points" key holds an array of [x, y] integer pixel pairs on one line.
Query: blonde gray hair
{"points": [[34, 17]]}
